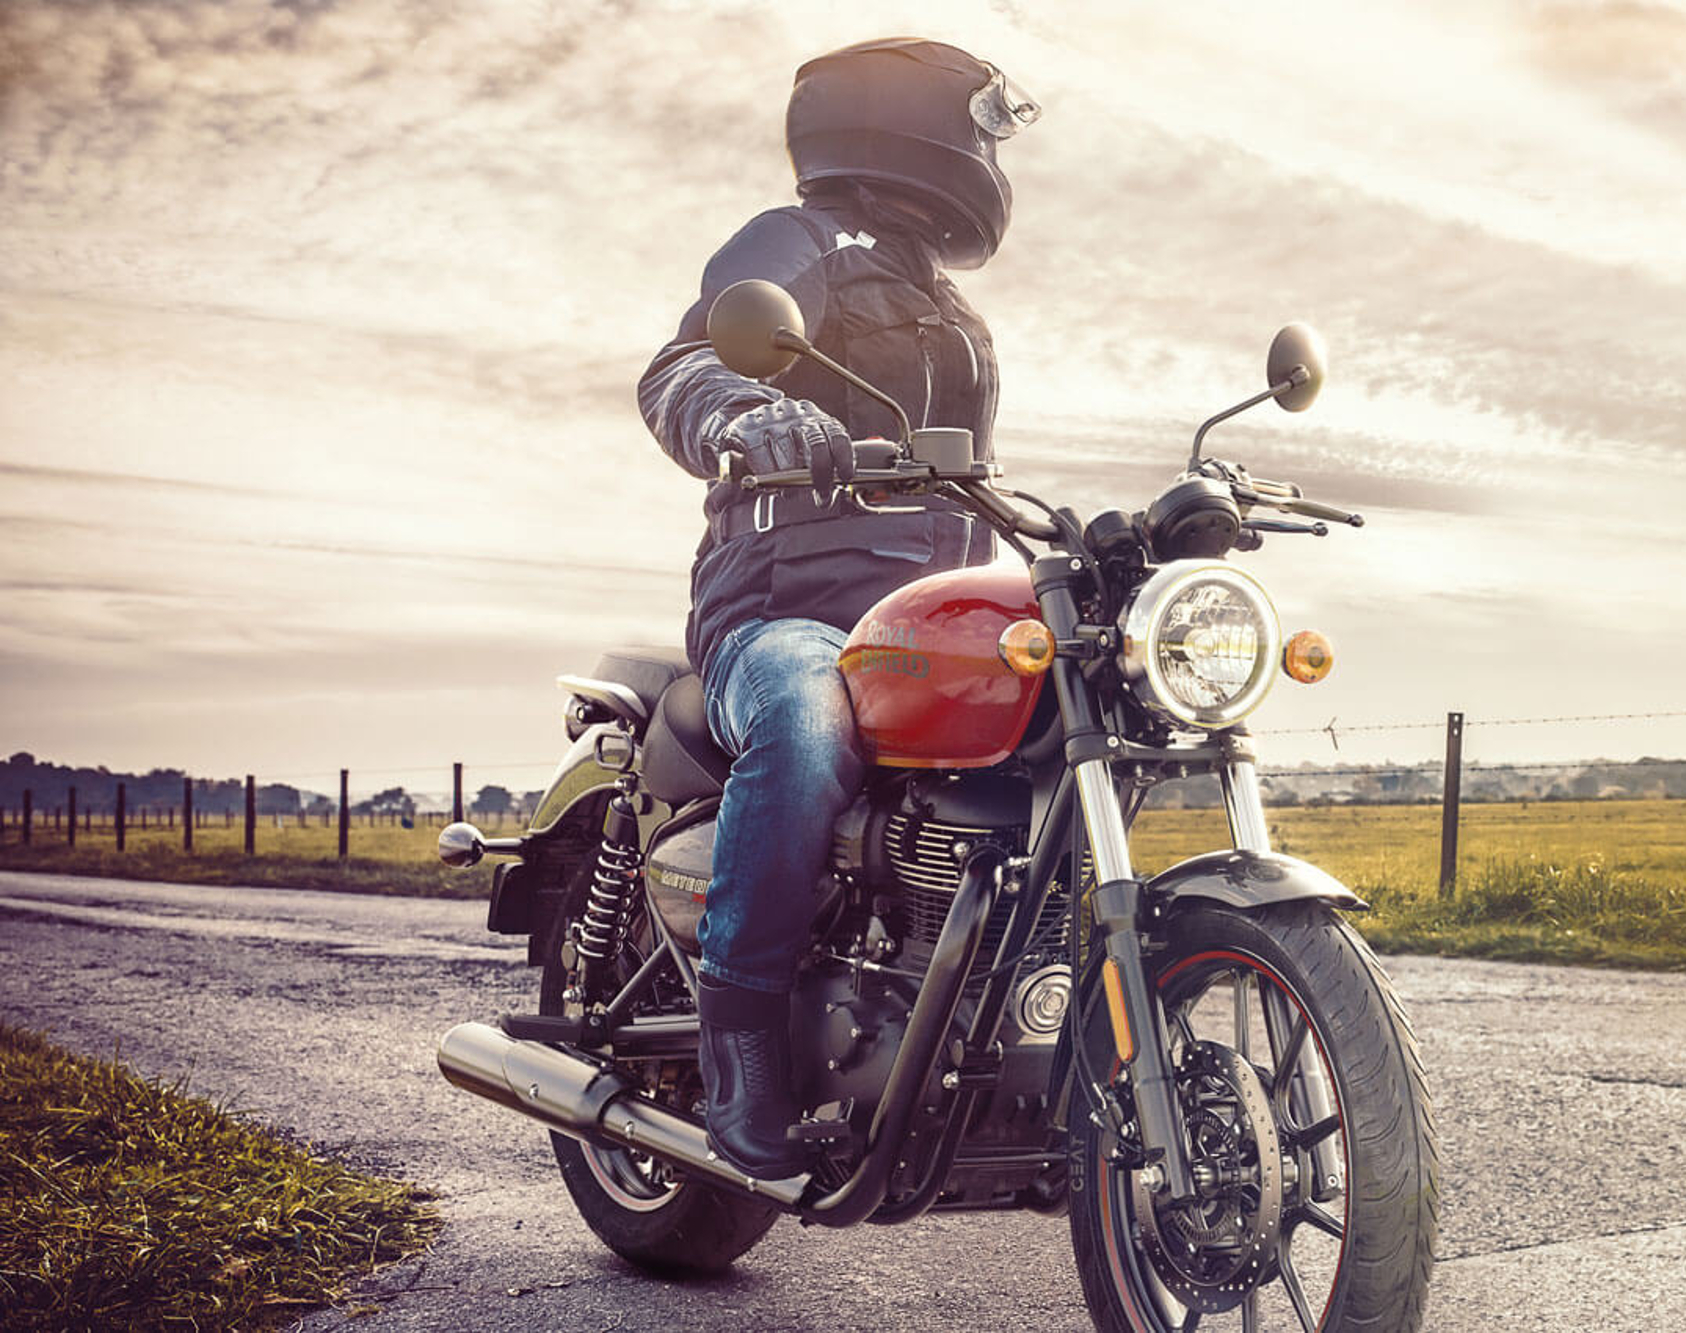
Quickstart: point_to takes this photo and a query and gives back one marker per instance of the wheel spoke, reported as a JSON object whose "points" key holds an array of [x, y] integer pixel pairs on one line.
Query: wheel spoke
{"points": [[1288, 1057], [1186, 1028], [1322, 1219], [1291, 1284], [1239, 990], [1314, 1133]]}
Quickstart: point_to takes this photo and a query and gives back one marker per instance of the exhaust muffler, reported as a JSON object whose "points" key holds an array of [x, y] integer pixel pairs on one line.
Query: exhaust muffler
{"points": [[585, 1101]]}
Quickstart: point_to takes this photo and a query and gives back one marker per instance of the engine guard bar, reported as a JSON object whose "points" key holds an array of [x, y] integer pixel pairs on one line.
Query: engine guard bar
{"points": [[933, 1012]]}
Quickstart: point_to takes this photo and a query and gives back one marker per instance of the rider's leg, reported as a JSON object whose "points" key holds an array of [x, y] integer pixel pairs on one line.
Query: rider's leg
{"points": [[777, 701]]}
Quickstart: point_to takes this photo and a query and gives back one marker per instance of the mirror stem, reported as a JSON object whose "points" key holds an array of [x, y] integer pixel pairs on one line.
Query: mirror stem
{"points": [[1296, 377], [788, 341]]}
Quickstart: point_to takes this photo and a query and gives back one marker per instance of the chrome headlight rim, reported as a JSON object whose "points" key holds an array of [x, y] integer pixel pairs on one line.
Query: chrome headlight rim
{"points": [[1144, 622]]}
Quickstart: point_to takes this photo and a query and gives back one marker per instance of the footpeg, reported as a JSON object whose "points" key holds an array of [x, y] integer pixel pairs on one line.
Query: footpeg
{"points": [[542, 1027], [827, 1124]]}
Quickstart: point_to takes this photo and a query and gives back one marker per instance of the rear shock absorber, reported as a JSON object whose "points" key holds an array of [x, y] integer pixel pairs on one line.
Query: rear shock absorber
{"points": [[609, 899]]}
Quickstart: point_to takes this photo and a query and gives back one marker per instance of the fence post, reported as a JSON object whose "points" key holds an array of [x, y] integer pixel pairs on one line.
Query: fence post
{"points": [[251, 815], [28, 814], [122, 813], [1449, 804], [345, 813], [187, 814], [71, 798], [456, 793]]}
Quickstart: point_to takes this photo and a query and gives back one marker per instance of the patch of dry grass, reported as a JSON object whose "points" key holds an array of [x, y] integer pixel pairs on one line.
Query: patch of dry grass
{"points": [[125, 1203]]}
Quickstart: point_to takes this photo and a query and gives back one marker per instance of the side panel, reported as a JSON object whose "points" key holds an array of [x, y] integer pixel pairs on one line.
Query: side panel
{"points": [[1249, 879]]}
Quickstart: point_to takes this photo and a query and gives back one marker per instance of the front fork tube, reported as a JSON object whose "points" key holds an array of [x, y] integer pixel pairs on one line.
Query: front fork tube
{"points": [[1117, 908], [1244, 805]]}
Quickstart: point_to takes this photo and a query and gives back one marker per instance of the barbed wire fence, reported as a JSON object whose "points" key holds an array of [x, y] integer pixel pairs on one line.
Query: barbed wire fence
{"points": [[1420, 782]]}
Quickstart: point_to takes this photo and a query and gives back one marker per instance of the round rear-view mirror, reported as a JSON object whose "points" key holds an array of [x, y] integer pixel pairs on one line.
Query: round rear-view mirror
{"points": [[744, 323], [1296, 346]]}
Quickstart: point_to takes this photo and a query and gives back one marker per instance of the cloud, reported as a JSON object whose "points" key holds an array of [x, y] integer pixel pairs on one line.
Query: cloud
{"points": [[322, 319], [1632, 57]]}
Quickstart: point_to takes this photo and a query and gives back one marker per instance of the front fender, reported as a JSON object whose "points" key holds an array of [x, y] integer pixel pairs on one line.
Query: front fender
{"points": [[1237, 879], [1248, 879]]}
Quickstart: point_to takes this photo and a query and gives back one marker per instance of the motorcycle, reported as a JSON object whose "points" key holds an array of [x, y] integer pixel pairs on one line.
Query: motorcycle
{"points": [[1207, 1069]]}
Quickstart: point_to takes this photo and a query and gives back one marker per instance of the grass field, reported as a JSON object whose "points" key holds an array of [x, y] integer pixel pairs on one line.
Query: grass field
{"points": [[1571, 881], [125, 1204]]}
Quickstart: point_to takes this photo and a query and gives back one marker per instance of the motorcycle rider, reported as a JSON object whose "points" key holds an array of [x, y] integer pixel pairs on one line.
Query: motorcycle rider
{"points": [[894, 147]]}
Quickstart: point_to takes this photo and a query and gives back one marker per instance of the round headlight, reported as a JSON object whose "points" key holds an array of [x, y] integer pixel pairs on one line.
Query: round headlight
{"points": [[1201, 642]]}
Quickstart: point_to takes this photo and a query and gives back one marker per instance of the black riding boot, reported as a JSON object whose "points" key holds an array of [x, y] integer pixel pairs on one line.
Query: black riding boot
{"points": [[745, 1052]]}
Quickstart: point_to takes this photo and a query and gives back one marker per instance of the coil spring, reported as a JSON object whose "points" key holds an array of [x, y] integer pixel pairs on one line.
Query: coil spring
{"points": [[607, 901]]}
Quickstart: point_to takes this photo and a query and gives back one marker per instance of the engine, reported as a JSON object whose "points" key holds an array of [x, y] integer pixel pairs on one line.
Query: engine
{"points": [[897, 859], [906, 845]]}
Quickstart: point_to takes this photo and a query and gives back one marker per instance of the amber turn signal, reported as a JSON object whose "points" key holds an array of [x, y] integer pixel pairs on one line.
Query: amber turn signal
{"points": [[1027, 647], [1307, 657]]}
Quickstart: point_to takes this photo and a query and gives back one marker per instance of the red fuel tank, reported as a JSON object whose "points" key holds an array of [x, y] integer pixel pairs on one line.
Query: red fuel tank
{"points": [[929, 688]]}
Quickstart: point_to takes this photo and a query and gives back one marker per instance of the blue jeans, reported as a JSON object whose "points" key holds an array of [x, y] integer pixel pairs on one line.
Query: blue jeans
{"points": [[776, 701]]}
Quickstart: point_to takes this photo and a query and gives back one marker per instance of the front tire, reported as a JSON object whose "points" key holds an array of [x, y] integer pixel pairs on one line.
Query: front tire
{"points": [[648, 1214], [1286, 1006]]}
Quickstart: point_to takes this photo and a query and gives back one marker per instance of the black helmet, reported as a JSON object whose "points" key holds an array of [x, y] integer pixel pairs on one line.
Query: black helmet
{"points": [[916, 116]]}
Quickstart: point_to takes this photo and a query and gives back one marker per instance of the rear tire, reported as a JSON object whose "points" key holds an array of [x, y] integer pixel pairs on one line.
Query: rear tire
{"points": [[648, 1214], [1356, 1257]]}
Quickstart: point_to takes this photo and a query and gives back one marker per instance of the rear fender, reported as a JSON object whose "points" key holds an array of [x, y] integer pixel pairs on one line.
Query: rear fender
{"points": [[576, 777]]}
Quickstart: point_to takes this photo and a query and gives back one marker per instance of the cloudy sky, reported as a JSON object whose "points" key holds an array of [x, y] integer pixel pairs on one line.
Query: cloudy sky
{"points": [[319, 325]]}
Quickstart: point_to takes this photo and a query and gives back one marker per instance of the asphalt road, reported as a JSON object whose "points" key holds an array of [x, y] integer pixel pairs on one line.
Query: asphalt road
{"points": [[1560, 1094]]}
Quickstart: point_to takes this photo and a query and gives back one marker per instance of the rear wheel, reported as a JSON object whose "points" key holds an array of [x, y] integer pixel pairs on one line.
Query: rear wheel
{"points": [[1310, 1134], [642, 1209]]}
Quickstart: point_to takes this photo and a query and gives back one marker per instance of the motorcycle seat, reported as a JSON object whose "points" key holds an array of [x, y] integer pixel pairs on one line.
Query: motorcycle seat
{"points": [[644, 671], [681, 761]]}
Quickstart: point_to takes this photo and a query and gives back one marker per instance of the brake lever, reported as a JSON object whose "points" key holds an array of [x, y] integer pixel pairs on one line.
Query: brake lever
{"points": [[1250, 495], [1283, 525]]}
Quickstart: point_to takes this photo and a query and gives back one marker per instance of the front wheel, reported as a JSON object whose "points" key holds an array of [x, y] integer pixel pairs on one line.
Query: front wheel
{"points": [[1309, 1132]]}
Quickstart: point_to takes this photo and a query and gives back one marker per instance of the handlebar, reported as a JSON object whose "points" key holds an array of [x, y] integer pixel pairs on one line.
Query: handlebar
{"points": [[878, 466], [1286, 496]]}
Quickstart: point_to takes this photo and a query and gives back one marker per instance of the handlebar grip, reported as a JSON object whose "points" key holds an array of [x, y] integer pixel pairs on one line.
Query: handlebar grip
{"points": [[1313, 509], [871, 456]]}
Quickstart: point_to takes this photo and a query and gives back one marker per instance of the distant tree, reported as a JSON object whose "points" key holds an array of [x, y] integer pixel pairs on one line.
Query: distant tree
{"points": [[392, 801], [276, 798], [493, 800]]}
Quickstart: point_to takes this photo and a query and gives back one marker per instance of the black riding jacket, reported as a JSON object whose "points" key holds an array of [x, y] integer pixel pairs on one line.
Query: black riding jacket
{"points": [[872, 299]]}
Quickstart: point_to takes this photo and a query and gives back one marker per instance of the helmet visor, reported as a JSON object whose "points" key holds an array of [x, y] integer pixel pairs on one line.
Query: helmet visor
{"points": [[1001, 108]]}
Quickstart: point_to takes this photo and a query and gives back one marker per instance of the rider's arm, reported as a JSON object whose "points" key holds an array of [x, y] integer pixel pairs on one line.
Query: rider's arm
{"points": [[687, 396]]}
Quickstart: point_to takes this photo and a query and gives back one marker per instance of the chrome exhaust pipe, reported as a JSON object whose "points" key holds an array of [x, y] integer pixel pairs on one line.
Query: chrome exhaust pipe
{"points": [[581, 1099]]}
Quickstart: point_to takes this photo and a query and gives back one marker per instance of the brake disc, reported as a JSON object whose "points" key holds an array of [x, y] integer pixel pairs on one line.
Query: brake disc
{"points": [[1211, 1251]]}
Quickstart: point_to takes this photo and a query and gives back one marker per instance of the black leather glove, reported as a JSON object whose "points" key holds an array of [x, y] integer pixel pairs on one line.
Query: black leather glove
{"points": [[792, 433]]}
